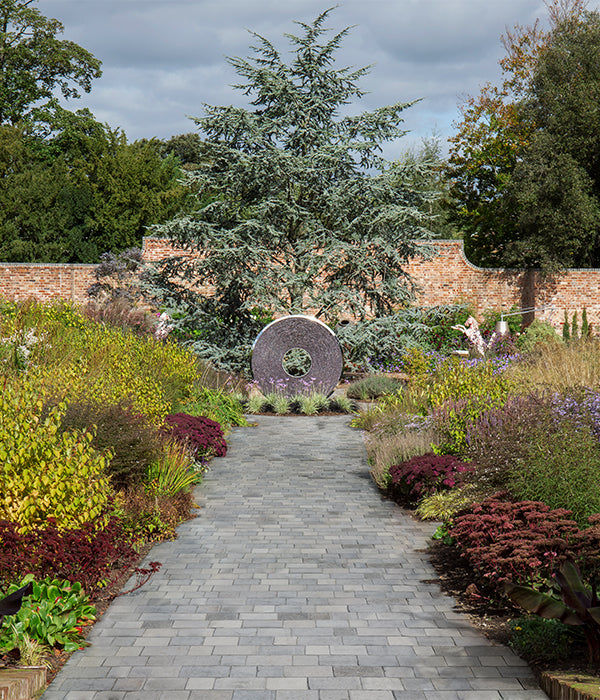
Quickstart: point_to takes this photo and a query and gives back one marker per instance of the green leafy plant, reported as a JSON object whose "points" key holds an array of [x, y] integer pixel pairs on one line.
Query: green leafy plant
{"points": [[47, 472], [372, 387], [541, 639], [54, 615], [579, 605], [538, 334]]}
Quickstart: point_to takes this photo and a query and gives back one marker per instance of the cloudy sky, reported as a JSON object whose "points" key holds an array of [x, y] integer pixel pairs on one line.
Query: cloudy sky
{"points": [[164, 59]]}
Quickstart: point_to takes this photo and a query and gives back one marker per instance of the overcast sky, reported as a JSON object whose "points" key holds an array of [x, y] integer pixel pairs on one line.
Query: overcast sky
{"points": [[163, 59]]}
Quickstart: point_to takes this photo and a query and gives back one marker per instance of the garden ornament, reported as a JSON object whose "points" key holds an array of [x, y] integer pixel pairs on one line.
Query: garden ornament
{"points": [[471, 330], [12, 603], [296, 355]]}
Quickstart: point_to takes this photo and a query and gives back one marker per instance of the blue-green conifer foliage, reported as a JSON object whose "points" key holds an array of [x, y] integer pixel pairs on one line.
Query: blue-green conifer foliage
{"points": [[298, 212]]}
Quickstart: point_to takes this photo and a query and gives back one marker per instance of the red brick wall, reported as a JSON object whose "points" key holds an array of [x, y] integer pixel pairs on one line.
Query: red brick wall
{"points": [[447, 278]]}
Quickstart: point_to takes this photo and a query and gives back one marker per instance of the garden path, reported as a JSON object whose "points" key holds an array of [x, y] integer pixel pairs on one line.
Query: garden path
{"points": [[295, 582]]}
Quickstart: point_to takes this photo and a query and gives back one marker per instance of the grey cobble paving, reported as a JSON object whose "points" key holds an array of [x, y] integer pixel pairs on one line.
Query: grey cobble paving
{"points": [[296, 581]]}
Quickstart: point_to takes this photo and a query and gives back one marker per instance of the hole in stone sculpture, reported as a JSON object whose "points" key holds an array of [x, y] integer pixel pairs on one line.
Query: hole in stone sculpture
{"points": [[296, 362]]}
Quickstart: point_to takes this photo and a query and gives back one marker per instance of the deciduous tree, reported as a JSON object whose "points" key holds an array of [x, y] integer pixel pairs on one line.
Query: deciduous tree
{"points": [[34, 62]]}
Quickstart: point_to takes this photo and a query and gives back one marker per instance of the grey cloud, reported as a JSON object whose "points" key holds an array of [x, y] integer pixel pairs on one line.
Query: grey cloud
{"points": [[163, 59]]}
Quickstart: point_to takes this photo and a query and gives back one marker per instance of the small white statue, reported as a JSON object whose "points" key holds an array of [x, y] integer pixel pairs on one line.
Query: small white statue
{"points": [[471, 330]]}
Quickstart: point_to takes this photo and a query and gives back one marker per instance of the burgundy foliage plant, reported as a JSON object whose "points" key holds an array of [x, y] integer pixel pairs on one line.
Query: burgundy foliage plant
{"points": [[203, 436], [425, 474]]}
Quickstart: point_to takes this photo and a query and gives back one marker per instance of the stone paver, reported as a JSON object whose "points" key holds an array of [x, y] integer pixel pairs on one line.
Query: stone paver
{"points": [[295, 582]]}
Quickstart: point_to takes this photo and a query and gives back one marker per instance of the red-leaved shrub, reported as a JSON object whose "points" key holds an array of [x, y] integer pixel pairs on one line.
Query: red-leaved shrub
{"points": [[87, 554], [425, 474], [518, 541], [203, 436]]}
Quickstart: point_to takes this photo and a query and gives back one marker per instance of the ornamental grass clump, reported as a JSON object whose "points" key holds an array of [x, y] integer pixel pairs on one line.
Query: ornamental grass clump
{"points": [[389, 444], [173, 471], [218, 405], [560, 367], [372, 387]]}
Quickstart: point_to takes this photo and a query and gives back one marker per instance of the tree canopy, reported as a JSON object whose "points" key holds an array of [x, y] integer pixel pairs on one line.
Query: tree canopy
{"points": [[525, 163], [297, 209], [34, 62], [80, 190]]}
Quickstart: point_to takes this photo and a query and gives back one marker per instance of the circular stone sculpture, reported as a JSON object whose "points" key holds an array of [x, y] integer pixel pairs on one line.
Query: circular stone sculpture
{"points": [[305, 335]]}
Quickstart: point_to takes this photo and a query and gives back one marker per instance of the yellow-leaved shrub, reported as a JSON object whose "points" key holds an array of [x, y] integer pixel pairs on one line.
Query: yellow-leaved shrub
{"points": [[109, 366], [45, 472]]}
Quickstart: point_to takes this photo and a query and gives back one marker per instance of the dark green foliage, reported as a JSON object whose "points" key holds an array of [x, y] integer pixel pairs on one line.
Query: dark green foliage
{"points": [[379, 344], [526, 167], [538, 639], [578, 605], [372, 387], [78, 189], [297, 211], [550, 200], [186, 147], [566, 330], [133, 442], [585, 326], [575, 327]]}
